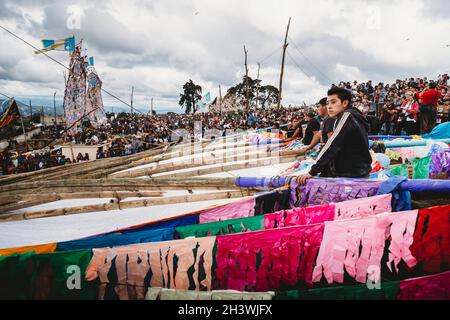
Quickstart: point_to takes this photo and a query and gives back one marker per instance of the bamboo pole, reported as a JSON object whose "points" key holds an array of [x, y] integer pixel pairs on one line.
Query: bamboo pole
{"points": [[101, 168], [26, 204], [76, 195], [196, 151], [207, 159], [159, 181], [185, 198], [280, 88], [192, 163], [182, 150], [123, 205], [105, 173], [123, 188], [231, 167]]}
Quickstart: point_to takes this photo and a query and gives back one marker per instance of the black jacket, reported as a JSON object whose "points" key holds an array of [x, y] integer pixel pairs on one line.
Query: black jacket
{"points": [[346, 154]]}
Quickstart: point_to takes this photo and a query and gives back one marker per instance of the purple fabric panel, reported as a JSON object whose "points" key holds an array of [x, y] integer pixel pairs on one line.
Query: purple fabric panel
{"points": [[440, 163], [293, 186], [324, 191]]}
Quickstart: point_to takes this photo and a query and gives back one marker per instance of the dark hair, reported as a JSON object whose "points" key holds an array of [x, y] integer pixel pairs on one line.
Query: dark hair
{"points": [[342, 93], [432, 85], [311, 113], [323, 101]]}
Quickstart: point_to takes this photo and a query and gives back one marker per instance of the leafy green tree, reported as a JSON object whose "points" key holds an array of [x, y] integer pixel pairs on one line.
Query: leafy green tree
{"points": [[239, 91], [268, 95], [189, 98], [264, 95]]}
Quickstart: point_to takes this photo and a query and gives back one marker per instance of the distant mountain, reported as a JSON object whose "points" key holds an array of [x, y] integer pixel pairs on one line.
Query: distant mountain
{"points": [[46, 103], [159, 110]]}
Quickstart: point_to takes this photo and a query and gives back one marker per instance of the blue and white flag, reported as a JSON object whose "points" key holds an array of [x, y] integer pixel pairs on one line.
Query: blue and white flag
{"points": [[89, 63], [67, 44]]}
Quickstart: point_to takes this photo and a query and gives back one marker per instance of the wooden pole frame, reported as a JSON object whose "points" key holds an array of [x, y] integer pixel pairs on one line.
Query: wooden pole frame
{"points": [[280, 88], [116, 205]]}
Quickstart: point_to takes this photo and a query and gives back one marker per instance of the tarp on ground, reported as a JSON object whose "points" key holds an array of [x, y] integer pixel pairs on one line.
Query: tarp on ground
{"points": [[441, 131]]}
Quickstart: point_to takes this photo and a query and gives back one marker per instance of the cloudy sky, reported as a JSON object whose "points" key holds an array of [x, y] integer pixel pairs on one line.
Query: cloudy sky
{"points": [[157, 45]]}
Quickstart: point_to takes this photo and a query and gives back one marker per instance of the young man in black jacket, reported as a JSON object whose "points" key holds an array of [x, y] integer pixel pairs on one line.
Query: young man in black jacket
{"points": [[346, 153]]}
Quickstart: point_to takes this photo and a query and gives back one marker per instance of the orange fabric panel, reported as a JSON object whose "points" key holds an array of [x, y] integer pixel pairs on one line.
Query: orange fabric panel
{"points": [[41, 248]]}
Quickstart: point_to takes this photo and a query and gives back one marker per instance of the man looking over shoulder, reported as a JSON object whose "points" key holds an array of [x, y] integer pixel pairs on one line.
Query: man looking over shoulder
{"points": [[346, 153]]}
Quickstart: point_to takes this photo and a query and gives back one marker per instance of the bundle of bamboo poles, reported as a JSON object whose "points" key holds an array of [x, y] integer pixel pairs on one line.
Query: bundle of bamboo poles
{"points": [[28, 194], [107, 179], [116, 205], [285, 156], [105, 167], [80, 168], [19, 201], [231, 166], [141, 183]]}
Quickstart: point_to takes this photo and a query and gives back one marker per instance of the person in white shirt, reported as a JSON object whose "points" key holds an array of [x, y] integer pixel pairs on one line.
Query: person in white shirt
{"points": [[408, 115], [94, 139]]}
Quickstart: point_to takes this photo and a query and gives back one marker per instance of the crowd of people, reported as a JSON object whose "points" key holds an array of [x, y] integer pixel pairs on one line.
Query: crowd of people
{"points": [[18, 162], [125, 134], [406, 107], [158, 129], [343, 121]]}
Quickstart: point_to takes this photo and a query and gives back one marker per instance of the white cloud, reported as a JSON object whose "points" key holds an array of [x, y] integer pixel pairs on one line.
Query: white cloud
{"points": [[156, 46], [349, 73]]}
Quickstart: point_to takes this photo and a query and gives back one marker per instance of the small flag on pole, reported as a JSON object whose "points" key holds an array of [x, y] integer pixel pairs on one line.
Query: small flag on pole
{"points": [[67, 44], [9, 111]]}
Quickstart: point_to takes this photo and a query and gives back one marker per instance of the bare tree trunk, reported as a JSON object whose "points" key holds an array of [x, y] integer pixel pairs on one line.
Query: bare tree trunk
{"points": [[282, 65], [246, 80]]}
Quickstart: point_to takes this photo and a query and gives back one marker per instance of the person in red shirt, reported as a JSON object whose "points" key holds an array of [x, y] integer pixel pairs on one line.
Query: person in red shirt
{"points": [[428, 108]]}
